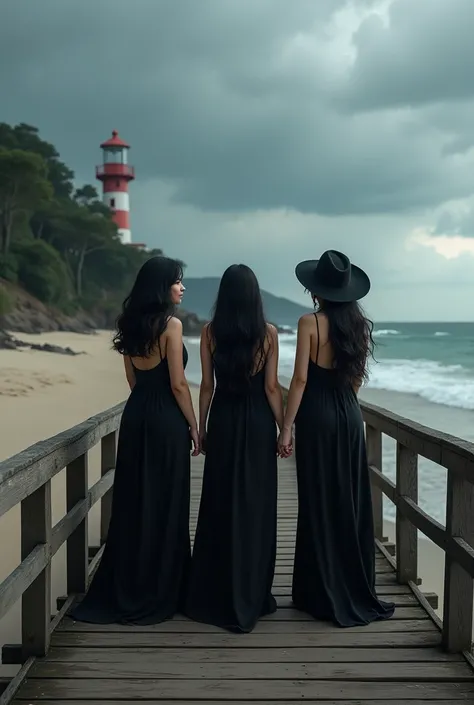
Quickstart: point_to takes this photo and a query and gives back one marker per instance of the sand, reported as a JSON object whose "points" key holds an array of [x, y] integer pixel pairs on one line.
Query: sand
{"points": [[42, 394]]}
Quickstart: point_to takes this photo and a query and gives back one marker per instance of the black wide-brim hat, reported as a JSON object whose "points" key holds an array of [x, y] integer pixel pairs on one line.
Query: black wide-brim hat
{"points": [[333, 277]]}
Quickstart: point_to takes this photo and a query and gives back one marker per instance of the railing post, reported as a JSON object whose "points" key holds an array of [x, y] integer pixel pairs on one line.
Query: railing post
{"points": [[374, 457], [108, 451], [458, 585], [78, 541], [406, 533], [36, 529]]}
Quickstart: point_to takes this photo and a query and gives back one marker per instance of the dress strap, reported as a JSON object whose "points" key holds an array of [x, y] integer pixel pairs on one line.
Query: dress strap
{"points": [[317, 328], [159, 349]]}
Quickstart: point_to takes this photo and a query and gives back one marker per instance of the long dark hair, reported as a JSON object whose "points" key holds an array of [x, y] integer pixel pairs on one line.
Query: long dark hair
{"points": [[350, 335], [238, 328], [148, 307]]}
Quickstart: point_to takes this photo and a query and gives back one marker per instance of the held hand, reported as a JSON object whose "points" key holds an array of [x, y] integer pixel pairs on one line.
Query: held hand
{"points": [[285, 443], [195, 440], [202, 442]]}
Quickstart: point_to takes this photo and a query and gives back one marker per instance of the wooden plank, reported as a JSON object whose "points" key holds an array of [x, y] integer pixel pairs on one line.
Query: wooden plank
{"points": [[36, 528], [380, 579], [152, 655], [263, 627], [13, 587], [25, 472], [458, 584], [248, 689], [374, 456], [216, 670], [153, 701], [406, 533], [108, 450], [403, 600], [221, 639], [77, 543]]}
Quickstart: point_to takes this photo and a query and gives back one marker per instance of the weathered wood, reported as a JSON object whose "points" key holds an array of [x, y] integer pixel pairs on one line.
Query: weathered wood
{"points": [[11, 689], [263, 627], [430, 672], [77, 543], [442, 448], [458, 584], [125, 654], [13, 587], [248, 689], [25, 472], [406, 533], [154, 701], [289, 656], [217, 640], [374, 456], [108, 449], [36, 601]]}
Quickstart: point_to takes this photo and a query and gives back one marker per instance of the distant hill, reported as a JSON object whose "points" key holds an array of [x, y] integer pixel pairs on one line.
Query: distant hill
{"points": [[201, 294]]}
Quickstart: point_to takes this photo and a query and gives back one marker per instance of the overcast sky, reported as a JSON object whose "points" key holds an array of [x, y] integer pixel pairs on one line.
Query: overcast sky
{"points": [[266, 131]]}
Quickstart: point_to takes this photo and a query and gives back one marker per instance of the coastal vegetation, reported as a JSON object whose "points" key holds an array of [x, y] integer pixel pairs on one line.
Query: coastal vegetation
{"points": [[58, 241]]}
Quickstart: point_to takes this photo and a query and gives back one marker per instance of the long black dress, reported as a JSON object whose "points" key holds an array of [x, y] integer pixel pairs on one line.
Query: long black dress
{"points": [[141, 577], [235, 545], [334, 569]]}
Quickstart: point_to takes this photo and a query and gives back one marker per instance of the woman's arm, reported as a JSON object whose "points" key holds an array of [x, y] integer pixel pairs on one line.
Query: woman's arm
{"points": [[300, 374], [129, 371], [272, 386], [179, 384], [207, 381]]}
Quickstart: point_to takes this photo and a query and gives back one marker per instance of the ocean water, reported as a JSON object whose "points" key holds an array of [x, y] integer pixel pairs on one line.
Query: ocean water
{"points": [[423, 371], [432, 360]]}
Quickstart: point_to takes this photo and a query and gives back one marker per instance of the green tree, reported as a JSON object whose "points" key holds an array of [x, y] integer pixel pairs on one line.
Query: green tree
{"points": [[42, 271], [80, 233], [26, 137], [23, 188]]}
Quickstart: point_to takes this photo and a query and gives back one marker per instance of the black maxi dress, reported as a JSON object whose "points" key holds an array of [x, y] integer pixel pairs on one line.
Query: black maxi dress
{"points": [[141, 577], [334, 568], [234, 550]]}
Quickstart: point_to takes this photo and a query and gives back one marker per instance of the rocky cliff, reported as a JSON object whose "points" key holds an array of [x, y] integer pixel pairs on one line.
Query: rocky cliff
{"points": [[28, 315]]}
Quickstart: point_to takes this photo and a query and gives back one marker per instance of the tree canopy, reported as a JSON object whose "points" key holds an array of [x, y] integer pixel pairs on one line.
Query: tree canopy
{"points": [[57, 240]]}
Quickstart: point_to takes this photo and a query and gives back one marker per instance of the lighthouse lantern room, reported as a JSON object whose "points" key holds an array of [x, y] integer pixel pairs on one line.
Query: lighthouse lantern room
{"points": [[115, 174]]}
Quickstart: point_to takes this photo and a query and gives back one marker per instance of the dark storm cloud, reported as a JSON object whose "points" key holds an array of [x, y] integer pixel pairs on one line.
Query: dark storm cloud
{"points": [[230, 101], [424, 54]]}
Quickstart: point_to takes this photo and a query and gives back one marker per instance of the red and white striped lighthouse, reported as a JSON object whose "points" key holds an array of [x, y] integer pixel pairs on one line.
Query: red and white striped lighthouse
{"points": [[115, 174]]}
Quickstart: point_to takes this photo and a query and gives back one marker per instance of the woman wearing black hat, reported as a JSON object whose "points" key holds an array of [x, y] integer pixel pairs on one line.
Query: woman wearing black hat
{"points": [[334, 569]]}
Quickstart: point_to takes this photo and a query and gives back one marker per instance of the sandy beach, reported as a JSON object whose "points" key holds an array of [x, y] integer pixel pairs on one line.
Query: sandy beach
{"points": [[44, 393]]}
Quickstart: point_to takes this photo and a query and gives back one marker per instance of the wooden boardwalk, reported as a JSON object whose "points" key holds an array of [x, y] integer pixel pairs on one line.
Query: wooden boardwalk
{"points": [[289, 657]]}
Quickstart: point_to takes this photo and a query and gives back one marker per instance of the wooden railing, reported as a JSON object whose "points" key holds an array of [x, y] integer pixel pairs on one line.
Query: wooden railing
{"points": [[25, 479], [456, 539]]}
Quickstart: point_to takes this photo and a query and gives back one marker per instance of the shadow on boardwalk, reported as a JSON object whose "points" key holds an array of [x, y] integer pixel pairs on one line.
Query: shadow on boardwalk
{"points": [[289, 656]]}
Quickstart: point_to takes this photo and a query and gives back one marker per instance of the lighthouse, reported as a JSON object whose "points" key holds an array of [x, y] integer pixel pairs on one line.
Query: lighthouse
{"points": [[115, 174]]}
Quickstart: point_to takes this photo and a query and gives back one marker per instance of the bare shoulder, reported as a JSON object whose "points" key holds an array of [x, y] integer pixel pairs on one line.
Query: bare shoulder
{"points": [[306, 322], [271, 330], [174, 326], [206, 332]]}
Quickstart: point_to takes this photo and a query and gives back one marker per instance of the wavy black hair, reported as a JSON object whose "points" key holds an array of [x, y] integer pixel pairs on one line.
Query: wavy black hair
{"points": [[148, 307], [238, 328], [350, 335]]}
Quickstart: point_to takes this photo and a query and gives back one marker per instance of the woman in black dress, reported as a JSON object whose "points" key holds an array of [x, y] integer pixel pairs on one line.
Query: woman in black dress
{"points": [[234, 550], [141, 577], [334, 569]]}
